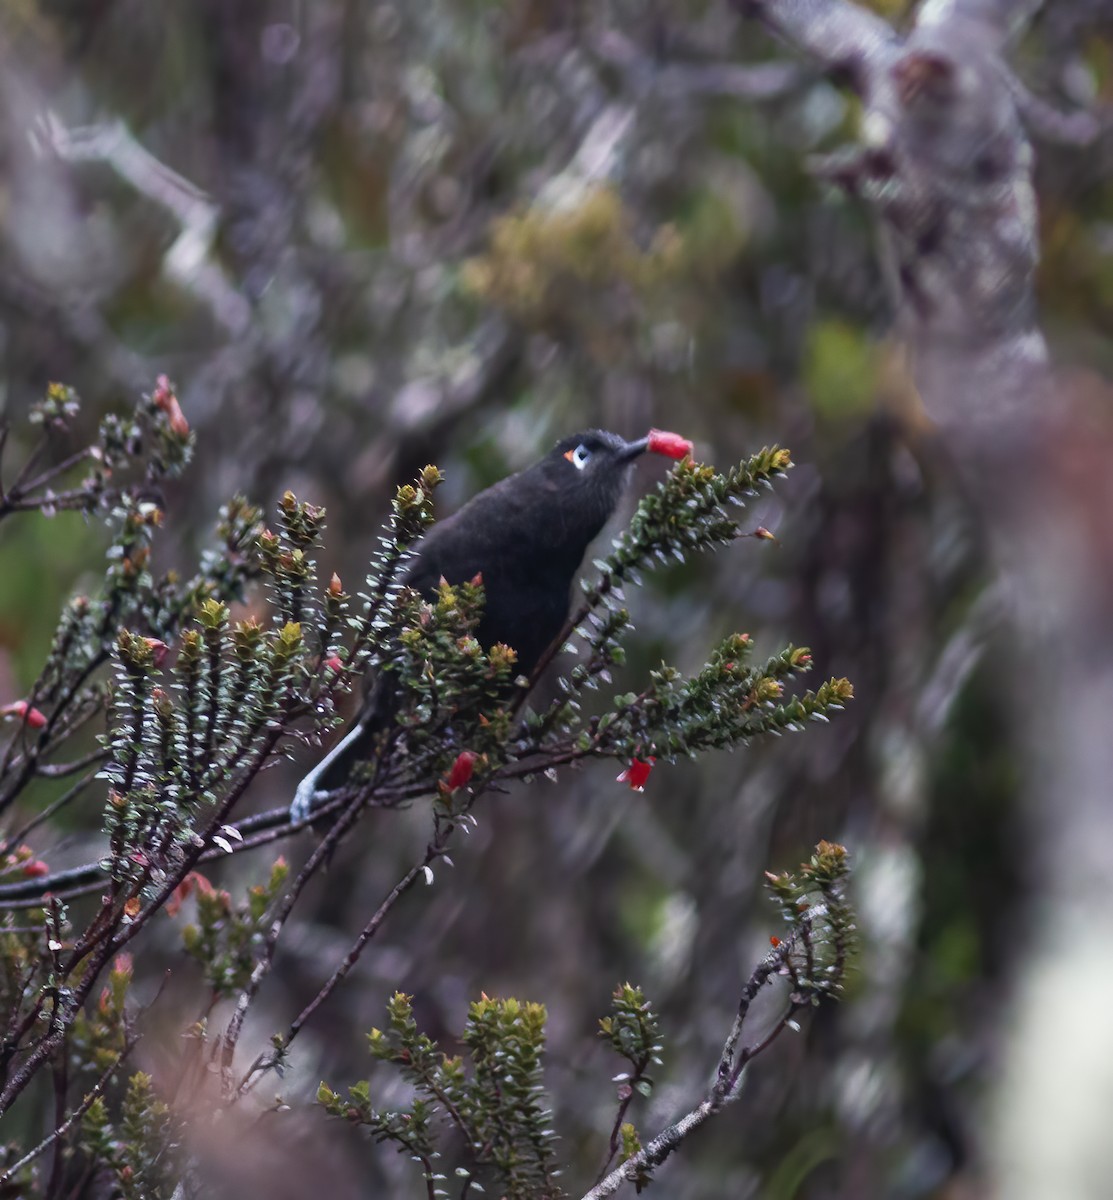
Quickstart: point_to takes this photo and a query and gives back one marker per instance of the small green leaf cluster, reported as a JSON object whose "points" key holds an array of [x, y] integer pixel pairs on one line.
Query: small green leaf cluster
{"points": [[141, 1145], [631, 1146], [57, 408], [821, 922], [451, 693], [633, 1030], [411, 514], [132, 454], [172, 744], [348, 640], [100, 1032], [729, 702], [225, 938], [495, 1098], [689, 511]]}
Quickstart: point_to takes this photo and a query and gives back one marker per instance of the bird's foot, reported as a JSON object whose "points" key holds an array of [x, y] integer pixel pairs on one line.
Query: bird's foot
{"points": [[305, 800]]}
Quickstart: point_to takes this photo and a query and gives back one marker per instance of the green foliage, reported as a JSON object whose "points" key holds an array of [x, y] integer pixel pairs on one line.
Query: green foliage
{"points": [[542, 259], [225, 937], [140, 1144], [447, 683], [633, 1031], [812, 903], [100, 1032], [493, 1094], [196, 701], [131, 455]]}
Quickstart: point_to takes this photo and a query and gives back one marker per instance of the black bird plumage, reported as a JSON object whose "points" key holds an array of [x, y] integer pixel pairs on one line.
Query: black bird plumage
{"points": [[526, 535]]}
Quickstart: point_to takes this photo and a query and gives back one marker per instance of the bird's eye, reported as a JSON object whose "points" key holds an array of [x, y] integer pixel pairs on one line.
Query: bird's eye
{"points": [[579, 457]]}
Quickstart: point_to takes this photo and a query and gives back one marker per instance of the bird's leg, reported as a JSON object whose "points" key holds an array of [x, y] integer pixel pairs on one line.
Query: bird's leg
{"points": [[306, 794]]}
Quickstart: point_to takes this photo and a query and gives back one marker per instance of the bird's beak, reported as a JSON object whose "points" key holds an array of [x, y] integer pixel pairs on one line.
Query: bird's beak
{"points": [[634, 449]]}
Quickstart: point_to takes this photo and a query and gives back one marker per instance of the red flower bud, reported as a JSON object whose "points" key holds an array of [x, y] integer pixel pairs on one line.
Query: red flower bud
{"points": [[35, 869], [159, 651], [334, 663], [165, 399], [20, 708], [671, 445], [774, 941], [462, 770], [637, 773]]}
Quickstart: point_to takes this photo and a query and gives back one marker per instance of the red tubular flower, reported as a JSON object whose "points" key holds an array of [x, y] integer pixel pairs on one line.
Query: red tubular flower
{"points": [[671, 445], [20, 708], [462, 770], [637, 773]]}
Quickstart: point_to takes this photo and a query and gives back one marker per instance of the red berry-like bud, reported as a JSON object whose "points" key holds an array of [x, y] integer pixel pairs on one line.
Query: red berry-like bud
{"points": [[462, 770], [637, 773], [671, 445], [334, 663], [35, 869], [20, 708]]}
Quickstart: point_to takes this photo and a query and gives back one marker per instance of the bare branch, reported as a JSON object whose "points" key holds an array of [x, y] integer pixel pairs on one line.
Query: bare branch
{"points": [[190, 261], [842, 36]]}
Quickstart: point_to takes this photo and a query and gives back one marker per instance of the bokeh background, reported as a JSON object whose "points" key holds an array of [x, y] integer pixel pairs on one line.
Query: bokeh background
{"points": [[365, 236]]}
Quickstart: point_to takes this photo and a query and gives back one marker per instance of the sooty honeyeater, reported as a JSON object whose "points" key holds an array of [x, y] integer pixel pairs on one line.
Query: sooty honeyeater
{"points": [[526, 537]]}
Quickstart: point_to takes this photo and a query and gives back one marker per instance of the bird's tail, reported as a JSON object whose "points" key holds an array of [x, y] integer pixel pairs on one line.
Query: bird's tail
{"points": [[355, 747], [333, 770]]}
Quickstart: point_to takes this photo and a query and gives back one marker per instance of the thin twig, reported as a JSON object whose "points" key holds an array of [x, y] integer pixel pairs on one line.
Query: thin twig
{"points": [[434, 850], [56, 806], [620, 1115], [262, 968]]}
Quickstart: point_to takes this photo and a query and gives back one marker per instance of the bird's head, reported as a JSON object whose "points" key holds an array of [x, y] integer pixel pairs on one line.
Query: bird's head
{"points": [[591, 469]]}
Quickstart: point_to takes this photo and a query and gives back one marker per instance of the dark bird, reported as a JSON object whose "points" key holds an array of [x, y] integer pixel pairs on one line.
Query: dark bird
{"points": [[526, 536]]}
